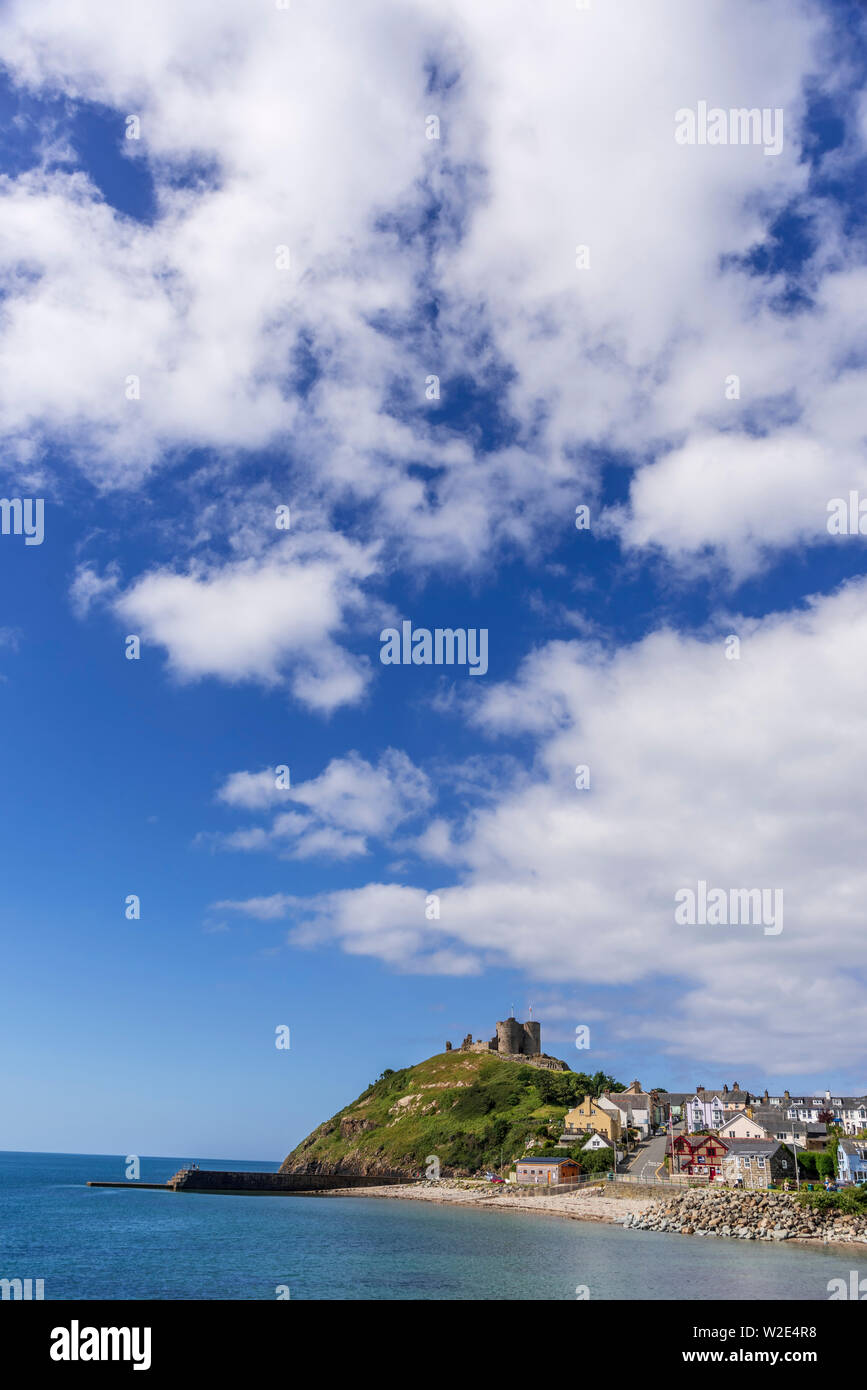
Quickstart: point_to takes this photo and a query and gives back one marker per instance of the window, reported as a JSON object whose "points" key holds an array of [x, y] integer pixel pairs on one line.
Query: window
{"points": [[761, 1161]]}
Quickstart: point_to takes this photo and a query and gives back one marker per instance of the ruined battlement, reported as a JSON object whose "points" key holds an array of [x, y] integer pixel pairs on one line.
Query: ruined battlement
{"points": [[515, 1042]]}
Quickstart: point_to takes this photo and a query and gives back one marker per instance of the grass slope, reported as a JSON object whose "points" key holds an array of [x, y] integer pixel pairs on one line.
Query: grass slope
{"points": [[470, 1110]]}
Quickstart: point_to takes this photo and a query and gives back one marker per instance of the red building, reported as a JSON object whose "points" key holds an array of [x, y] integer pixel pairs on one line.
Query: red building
{"points": [[699, 1155]]}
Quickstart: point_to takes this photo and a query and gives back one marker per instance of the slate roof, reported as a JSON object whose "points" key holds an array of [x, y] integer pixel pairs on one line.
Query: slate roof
{"points": [[772, 1117], [542, 1162], [754, 1148]]}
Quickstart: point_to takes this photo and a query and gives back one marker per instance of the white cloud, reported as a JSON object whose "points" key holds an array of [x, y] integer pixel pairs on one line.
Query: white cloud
{"points": [[740, 773], [355, 795], [349, 803], [253, 791], [273, 621], [631, 354], [89, 588], [382, 920]]}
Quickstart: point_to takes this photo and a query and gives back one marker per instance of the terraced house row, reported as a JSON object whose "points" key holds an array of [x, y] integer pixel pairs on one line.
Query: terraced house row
{"points": [[733, 1112]]}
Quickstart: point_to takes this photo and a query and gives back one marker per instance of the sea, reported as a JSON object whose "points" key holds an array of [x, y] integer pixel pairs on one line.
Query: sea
{"points": [[104, 1243]]}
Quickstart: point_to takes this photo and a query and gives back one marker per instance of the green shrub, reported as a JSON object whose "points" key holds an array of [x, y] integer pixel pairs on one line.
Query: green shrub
{"points": [[600, 1160], [852, 1200]]}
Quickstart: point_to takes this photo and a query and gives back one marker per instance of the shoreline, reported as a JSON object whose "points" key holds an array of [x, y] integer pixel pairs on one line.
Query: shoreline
{"points": [[591, 1205]]}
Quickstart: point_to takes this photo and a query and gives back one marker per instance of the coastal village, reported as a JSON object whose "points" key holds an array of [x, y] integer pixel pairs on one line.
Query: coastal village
{"points": [[729, 1135], [498, 1124], [712, 1135]]}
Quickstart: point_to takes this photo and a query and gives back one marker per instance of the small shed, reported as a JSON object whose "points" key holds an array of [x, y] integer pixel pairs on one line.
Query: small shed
{"points": [[546, 1171]]}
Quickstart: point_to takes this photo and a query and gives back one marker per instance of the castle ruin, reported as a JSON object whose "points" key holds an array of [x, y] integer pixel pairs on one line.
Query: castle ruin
{"points": [[515, 1042]]}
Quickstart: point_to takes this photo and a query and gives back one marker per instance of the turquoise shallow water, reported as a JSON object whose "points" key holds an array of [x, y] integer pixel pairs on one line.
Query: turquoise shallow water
{"points": [[99, 1243]]}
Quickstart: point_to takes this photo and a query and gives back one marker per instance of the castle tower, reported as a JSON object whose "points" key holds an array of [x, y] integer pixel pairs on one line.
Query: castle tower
{"points": [[510, 1036], [532, 1042]]}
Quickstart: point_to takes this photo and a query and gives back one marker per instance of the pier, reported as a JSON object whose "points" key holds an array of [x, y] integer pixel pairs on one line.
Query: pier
{"points": [[224, 1181]]}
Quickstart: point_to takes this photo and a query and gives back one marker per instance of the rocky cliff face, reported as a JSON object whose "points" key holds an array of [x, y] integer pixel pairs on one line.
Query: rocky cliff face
{"points": [[749, 1216], [315, 1155]]}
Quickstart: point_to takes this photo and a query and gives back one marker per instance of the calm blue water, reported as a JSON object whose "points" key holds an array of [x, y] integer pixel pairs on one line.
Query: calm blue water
{"points": [[99, 1243]]}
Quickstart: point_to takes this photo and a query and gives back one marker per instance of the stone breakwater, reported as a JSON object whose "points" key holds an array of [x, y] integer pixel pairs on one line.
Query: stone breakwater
{"points": [[748, 1216]]}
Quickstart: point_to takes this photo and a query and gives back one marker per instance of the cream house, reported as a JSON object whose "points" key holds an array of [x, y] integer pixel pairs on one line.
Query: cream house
{"points": [[590, 1115], [740, 1126]]}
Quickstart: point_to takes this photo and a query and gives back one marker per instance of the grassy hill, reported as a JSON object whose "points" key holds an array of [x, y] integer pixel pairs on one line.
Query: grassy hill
{"points": [[471, 1110]]}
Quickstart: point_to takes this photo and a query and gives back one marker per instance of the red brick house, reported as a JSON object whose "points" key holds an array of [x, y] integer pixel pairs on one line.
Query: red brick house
{"points": [[698, 1155]]}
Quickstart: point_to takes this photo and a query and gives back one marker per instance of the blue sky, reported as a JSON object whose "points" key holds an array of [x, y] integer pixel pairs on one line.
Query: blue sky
{"points": [[156, 257]]}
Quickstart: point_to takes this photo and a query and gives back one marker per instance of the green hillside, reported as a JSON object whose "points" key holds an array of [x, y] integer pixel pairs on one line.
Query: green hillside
{"points": [[471, 1110]]}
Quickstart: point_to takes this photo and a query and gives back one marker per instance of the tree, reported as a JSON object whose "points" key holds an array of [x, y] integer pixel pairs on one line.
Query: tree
{"points": [[596, 1160], [601, 1081], [807, 1163], [826, 1165]]}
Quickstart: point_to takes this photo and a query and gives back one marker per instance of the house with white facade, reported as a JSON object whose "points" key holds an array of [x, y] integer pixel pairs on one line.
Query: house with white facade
{"points": [[634, 1107], [740, 1126], [704, 1110], [598, 1141], [849, 1112]]}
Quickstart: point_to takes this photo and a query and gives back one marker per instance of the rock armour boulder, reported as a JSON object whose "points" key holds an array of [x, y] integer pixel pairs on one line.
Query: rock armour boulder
{"points": [[748, 1216]]}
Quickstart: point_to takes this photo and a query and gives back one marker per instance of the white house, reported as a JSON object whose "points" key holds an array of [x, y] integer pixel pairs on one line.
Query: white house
{"points": [[598, 1141], [704, 1110], [634, 1107], [740, 1126], [853, 1112], [848, 1111]]}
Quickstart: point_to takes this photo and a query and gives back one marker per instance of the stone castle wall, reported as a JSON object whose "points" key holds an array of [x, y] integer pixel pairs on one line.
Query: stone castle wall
{"points": [[515, 1042]]}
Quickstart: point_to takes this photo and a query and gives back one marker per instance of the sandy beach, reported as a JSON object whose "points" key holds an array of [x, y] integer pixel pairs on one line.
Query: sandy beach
{"points": [[588, 1205]]}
